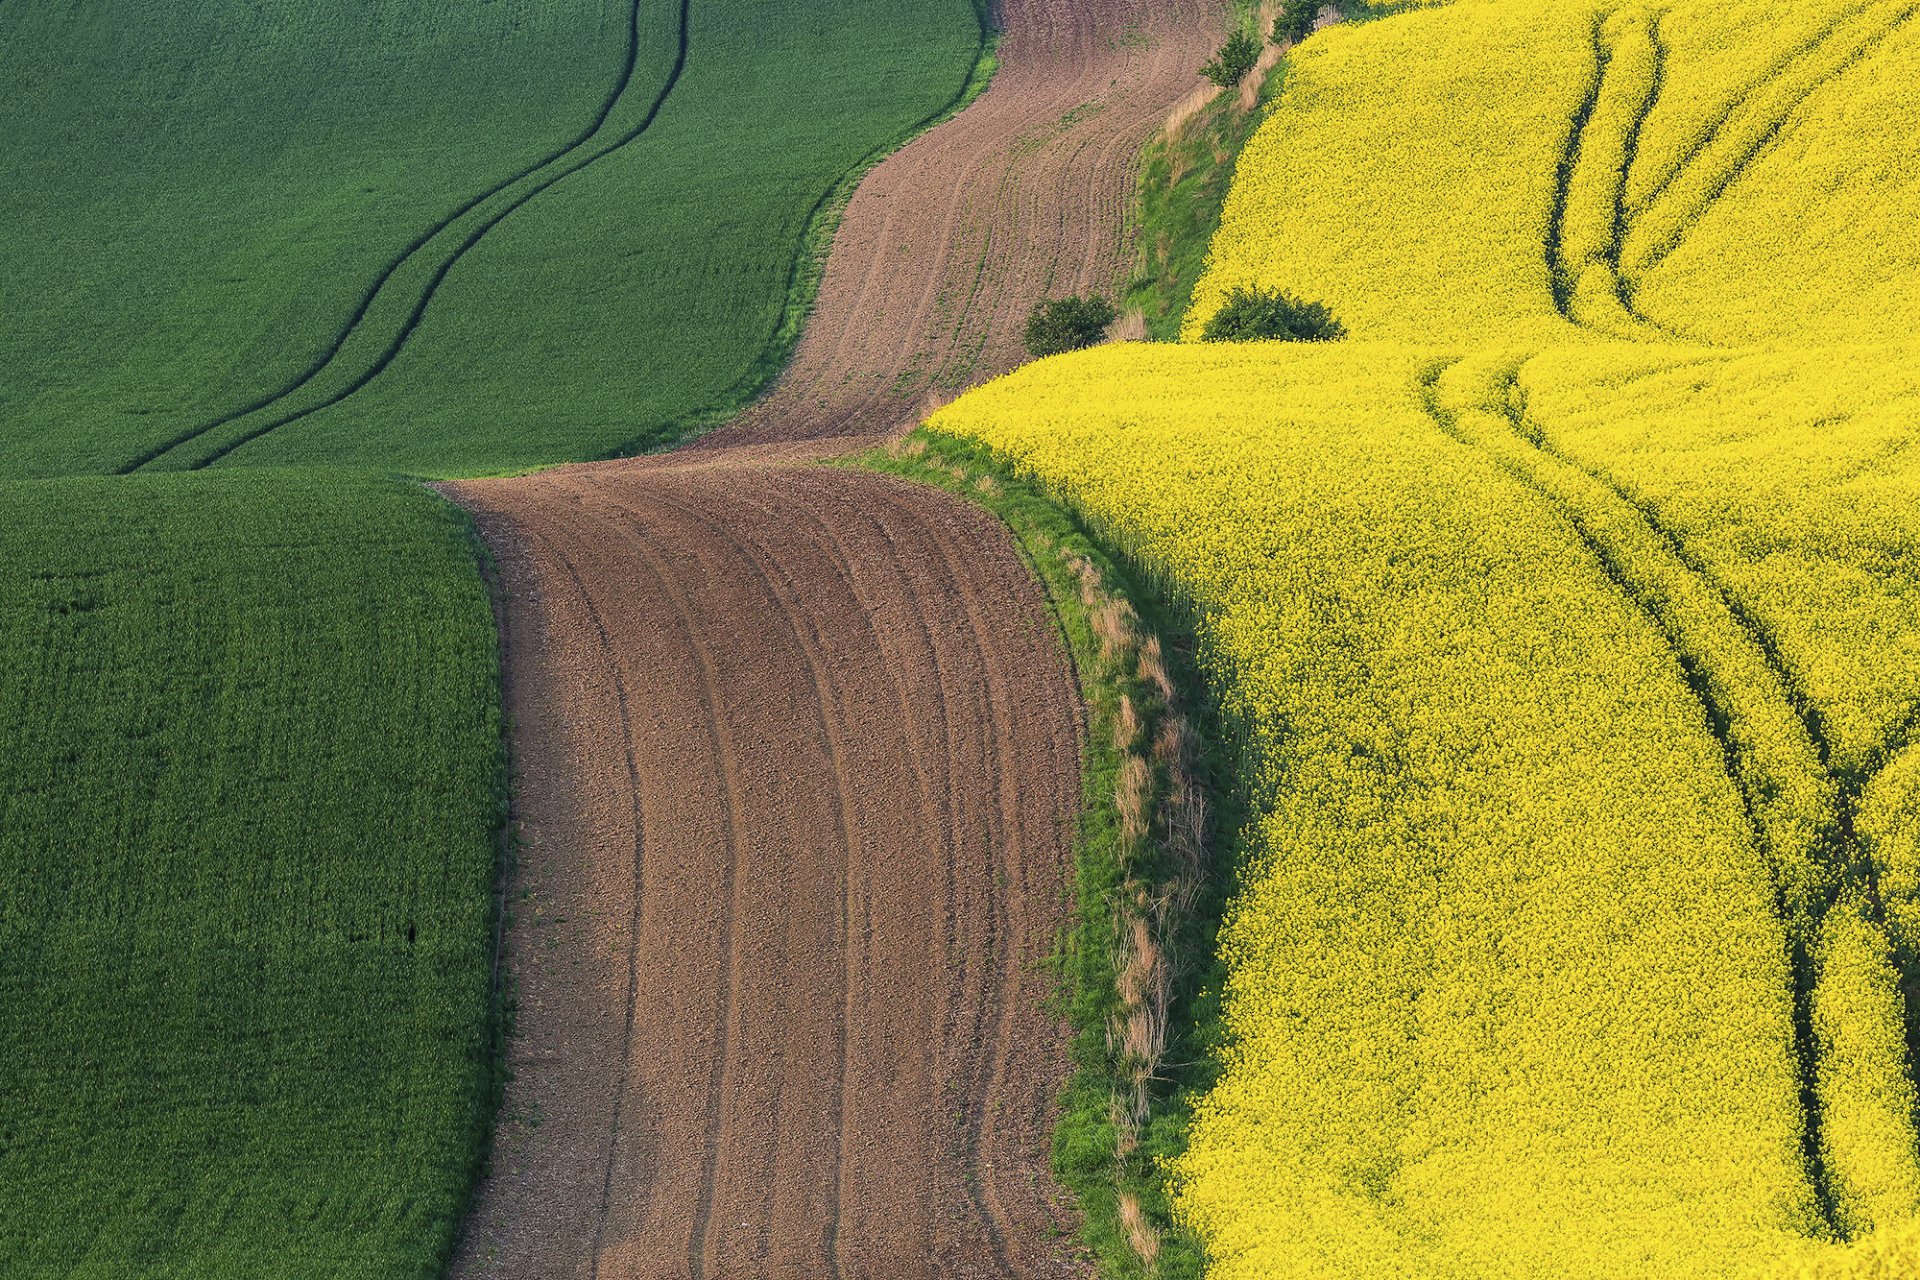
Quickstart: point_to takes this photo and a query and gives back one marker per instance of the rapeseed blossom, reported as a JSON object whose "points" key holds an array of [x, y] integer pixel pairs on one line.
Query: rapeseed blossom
{"points": [[1572, 611]]}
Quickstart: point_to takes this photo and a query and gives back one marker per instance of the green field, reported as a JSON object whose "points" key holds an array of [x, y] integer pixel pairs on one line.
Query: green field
{"points": [[249, 724], [249, 727], [444, 237]]}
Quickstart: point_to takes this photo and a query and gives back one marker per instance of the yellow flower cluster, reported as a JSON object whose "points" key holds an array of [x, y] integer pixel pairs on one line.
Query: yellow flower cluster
{"points": [[1792, 476], [1793, 213], [1573, 613], [1866, 1096]]}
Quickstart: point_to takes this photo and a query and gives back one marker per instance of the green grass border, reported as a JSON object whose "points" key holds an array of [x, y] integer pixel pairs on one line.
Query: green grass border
{"points": [[1088, 1158], [1182, 191], [501, 1005]]}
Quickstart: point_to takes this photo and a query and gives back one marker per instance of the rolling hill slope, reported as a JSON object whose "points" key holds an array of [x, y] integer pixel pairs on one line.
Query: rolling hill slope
{"points": [[251, 745], [237, 228], [252, 753], [1631, 352]]}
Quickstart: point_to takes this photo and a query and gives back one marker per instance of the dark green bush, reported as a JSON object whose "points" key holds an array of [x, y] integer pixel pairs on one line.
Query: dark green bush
{"points": [[1236, 57], [1295, 22], [1250, 315], [1067, 324]]}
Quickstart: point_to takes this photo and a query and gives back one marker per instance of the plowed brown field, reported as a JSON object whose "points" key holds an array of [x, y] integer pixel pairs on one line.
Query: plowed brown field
{"points": [[800, 778], [950, 241], [797, 758]]}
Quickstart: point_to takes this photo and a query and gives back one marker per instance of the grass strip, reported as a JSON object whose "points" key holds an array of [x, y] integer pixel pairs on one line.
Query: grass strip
{"points": [[1185, 172], [1155, 857]]}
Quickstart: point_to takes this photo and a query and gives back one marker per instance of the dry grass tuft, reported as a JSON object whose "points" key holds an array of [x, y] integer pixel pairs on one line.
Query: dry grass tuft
{"points": [[1140, 1233], [1185, 110], [1132, 795], [1113, 624], [1153, 668], [1126, 725]]}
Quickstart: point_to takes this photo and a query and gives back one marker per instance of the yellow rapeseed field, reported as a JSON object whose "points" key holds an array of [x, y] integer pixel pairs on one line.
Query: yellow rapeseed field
{"points": [[1571, 609]]}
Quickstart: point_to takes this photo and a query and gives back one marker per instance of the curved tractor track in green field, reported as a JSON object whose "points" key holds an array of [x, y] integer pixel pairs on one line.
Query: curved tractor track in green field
{"points": [[278, 409]]}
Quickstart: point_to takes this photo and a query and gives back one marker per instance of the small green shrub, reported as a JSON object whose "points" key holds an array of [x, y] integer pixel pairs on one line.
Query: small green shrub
{"points": [[1250, 315], [1295, 22], [1067, 324], [1236, 57]]}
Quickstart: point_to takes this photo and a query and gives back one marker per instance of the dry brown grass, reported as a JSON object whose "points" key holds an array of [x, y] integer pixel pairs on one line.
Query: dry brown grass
{"points": [[1270, 55], [1153, 668], [1133, 795], [1185, 110], [1126, 725], [1113, 626], [1140, 1232], [1156, 793]]}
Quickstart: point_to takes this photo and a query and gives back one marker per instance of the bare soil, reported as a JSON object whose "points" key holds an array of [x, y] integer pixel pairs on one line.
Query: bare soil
{"points": [[800, 774], [950, 241], [797, 757]]}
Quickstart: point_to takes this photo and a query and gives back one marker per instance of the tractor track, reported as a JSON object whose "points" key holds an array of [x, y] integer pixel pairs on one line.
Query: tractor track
{"points": [[1776, 118], [1531, 459], [548, 172]]}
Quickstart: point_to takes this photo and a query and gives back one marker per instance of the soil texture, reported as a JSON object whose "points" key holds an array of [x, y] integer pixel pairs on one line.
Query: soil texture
{"points": [[1026, 194], [799, 777], [797, 756]]}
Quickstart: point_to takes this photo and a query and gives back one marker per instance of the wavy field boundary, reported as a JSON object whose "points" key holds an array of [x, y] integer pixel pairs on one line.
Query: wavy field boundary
{"points": [[820, 716], [950, 241]]}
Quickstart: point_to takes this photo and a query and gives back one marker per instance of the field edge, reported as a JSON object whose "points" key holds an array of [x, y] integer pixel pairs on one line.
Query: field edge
{"points": [[807, 266], [1124, 1115]]}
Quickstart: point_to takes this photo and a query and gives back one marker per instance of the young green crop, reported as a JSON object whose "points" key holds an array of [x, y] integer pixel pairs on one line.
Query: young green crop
{"points": [[606, 248], [250, 734]]}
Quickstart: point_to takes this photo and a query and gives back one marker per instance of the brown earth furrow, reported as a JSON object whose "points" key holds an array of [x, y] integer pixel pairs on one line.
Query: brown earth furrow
{"points": [[992, 944], [701, 721], [604, 643], [1030, 184], [768, 1095], [837, 839], [813, 647], [797, 756], [987, 1151]]}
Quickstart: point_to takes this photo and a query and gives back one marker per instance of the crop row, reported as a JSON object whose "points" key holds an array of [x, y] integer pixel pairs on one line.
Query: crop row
{"points": [[249, 733]]}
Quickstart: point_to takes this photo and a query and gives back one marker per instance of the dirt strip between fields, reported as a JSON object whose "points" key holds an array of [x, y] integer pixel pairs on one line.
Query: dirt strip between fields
{"points": [[801, 777], [797, 758], [950, 241]]}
